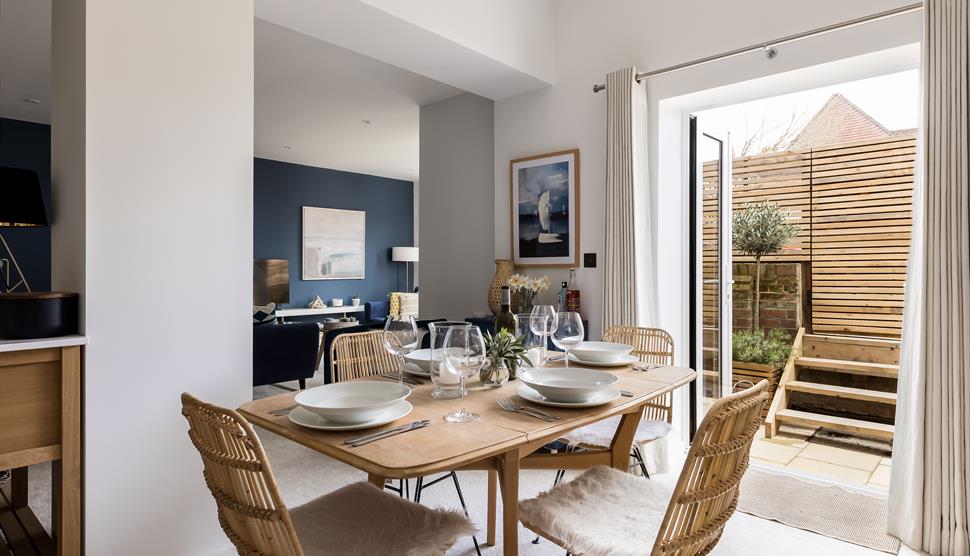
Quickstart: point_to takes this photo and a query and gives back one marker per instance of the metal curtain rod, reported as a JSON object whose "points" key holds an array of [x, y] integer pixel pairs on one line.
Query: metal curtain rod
{"points": [[767, 46]]}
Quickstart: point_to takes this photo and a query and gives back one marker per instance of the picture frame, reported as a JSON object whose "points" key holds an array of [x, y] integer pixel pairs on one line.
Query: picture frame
{"points": [[334, 244], [544, 209]]}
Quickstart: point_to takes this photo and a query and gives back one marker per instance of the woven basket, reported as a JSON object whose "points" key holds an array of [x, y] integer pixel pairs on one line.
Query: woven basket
{"points": [[503, 271]]}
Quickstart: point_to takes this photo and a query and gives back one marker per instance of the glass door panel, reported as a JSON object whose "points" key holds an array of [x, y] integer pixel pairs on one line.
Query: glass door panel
{"points": [[711, 173]]}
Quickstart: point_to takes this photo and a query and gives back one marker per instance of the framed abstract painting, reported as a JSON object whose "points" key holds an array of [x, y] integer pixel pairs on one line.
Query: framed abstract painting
{"points": [[333, 244], [544, 193]]}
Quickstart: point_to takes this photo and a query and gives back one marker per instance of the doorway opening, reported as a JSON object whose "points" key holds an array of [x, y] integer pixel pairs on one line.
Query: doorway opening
{"points": [[801, 215]]}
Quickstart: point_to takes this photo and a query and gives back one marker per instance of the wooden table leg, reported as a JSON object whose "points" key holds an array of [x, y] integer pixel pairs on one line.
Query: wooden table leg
{"points": [[376, 480], [492, 495], [67, 526], [623, 440], [509, 468]]}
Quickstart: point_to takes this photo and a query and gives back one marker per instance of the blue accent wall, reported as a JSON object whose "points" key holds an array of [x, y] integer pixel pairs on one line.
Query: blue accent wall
{"points": [[28, 145], [281, 190]]}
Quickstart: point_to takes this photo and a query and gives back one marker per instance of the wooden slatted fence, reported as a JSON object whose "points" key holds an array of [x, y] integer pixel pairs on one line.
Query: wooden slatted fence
{"points": [[854, 204]]}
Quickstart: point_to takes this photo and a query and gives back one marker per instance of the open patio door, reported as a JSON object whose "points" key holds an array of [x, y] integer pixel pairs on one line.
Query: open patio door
{"points": [[711, 271]]}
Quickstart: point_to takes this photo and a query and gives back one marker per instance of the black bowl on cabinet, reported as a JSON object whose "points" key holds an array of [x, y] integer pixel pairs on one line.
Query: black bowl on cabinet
{"points": [[25, 316]]}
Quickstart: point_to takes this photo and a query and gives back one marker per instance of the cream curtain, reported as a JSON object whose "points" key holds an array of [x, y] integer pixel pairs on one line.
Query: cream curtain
{"points": [[629, 295], [929, 492]]}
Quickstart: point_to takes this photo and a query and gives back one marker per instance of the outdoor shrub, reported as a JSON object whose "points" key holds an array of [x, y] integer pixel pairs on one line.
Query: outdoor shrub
{"points": [[768, 347]]}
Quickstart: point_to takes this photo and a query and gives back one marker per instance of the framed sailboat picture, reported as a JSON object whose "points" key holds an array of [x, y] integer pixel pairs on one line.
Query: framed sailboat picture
{"points": [[545, 209]]}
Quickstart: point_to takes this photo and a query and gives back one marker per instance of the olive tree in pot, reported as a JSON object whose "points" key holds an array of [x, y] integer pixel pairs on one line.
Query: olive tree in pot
{"points": [[761, 229]]}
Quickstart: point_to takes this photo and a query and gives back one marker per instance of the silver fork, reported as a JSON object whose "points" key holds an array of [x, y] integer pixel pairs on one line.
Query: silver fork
{"points": [[282, 410], [505, 405], [509, 404], [403, 378]]}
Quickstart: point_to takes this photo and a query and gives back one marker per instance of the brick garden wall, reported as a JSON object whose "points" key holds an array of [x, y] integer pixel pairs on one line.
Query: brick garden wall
{"points": [[781, 295]]}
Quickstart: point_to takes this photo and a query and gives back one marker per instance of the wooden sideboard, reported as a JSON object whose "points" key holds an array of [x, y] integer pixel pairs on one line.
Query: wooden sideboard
{"points": [[40, 421]]}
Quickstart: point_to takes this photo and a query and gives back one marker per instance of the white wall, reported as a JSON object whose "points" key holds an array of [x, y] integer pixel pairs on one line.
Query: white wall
{"points": [[456, 211], [595, 38], [167, 203]]}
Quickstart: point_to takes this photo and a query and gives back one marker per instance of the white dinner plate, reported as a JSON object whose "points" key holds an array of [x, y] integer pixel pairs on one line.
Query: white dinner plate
{"points": [[412, 369], [602, 352], [599, 398], [622, 361], [309, 419]]}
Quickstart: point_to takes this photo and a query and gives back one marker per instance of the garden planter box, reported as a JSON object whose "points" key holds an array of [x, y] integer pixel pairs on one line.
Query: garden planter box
{"points": [[755, 372]]}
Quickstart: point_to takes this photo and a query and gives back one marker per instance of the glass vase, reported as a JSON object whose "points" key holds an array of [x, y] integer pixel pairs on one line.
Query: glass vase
{"points": [[494, 374]]}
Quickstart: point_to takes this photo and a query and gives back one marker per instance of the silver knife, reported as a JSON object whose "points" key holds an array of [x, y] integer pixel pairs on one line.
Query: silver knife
{"points": [[386, 431], [413, 426]]}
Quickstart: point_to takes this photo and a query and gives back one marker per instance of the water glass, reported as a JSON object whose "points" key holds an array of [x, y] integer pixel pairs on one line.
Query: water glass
{"points": [[569, 332], [464, 352], [543, 323], [400, 338], [444, 378], [532, 341]]}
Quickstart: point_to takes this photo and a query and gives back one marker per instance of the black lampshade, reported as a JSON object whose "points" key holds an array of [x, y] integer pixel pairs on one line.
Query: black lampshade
{"points": [[21, 201]]}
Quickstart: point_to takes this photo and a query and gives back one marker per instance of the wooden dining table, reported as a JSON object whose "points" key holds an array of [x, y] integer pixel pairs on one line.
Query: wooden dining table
{"points": [[500, 442]]}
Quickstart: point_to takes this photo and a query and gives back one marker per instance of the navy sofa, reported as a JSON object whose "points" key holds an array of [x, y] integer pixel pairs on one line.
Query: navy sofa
{"points": [[284, 352]]}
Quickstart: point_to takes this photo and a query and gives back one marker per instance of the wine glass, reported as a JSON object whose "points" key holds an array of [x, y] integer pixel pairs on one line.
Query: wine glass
{"points": [[464, 353], [543, 323], [569, 332], [400, 338]]}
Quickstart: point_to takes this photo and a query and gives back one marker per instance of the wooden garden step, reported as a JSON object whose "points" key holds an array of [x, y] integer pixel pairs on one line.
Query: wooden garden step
{"points": [[850, 367], [841, 424], [841, 392]]}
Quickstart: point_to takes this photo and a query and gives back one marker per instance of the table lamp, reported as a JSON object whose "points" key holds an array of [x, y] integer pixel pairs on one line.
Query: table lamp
{"points": [[21, 205], [405, 255]]}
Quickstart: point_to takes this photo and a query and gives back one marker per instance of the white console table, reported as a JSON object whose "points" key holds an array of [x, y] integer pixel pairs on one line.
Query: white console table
{"points": [[283, 314]]}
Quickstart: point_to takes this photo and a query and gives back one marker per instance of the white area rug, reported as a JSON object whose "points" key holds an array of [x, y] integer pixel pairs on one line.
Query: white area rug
{"points": [[829, 510]]}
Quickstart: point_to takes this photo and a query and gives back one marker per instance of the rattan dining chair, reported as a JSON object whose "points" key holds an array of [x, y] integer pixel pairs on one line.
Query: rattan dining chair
{"points": [[252, 513], [650, 346], [361, 354], [606, 511]]}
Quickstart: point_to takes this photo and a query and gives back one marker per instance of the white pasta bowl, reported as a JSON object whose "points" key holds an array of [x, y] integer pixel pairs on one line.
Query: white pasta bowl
{"points": [[601, 352], [352, 402], [422, 358], [566, 385]]}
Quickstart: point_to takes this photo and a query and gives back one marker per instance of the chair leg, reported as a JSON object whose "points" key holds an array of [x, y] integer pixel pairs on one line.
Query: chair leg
{"points": [[461, 498], [638, 456], [302, 382], [560, 474], [418, 487]]}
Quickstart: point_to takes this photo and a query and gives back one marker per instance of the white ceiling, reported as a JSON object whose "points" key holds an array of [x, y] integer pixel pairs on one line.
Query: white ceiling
{"points": [[310, 95], [314, 96]]}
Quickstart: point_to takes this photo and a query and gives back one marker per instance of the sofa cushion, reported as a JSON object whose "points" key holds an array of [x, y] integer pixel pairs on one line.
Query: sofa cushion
{"points": [[264, 314]]}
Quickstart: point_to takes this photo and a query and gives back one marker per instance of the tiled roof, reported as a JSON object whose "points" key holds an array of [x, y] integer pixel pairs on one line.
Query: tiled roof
{"points": [[838, 121]]}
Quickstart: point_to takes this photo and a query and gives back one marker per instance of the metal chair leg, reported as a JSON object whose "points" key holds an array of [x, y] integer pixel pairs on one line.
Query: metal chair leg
{"points": [[638, 456], [461, 498], [419, 487]]}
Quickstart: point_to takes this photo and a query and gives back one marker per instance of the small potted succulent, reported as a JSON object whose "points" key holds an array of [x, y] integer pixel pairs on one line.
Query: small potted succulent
{"points": [[355, 300], [506, 354]]}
